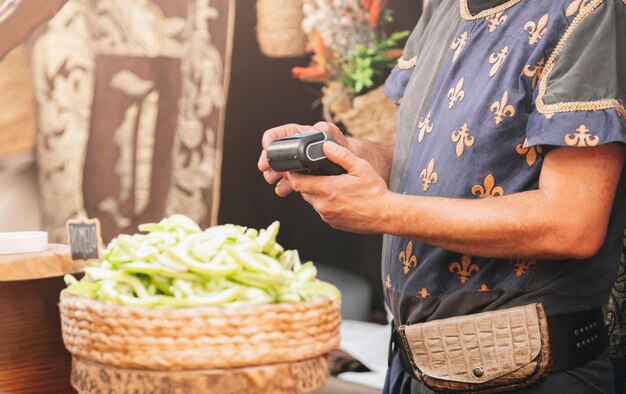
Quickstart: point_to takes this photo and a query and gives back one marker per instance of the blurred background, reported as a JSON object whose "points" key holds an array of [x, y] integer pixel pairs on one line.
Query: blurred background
{"points": [[129, 111]]}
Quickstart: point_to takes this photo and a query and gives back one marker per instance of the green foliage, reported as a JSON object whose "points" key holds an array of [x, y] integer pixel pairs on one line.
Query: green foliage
{"points": [[367, 67]]}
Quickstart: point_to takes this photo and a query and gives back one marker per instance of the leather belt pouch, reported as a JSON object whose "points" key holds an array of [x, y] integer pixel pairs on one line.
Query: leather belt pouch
{"points": [[488, 352]]}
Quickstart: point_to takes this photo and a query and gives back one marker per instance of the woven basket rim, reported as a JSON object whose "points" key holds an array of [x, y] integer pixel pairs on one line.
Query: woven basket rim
{"points": [[184, 311]]}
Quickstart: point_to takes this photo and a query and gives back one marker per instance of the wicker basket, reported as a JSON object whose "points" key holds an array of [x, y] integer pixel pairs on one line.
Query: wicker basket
{"points": [[279, 28], [198, 338], [371, 116]]}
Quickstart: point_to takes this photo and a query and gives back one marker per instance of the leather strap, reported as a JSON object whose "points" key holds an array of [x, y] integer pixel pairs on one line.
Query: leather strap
{"points": [[575, 339]]}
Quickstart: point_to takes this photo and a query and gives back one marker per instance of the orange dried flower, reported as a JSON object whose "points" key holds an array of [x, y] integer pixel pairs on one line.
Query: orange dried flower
{"points": [[312, 73], [375, 10]]}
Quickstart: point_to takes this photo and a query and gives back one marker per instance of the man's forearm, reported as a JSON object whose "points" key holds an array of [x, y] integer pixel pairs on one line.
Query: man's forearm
{"points": [[380, 157], [524, 225]]}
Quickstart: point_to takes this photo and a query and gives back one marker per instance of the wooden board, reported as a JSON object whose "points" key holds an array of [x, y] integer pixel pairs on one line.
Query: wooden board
{"points": [[54, 262], [32, 356], [287, 378]]}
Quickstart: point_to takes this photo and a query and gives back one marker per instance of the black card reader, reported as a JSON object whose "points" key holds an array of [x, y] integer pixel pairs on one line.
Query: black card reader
{"points": [[303, 153]]}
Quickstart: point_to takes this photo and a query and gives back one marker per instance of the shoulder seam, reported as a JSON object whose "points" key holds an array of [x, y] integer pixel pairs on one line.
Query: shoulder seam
{"points": [[598, 105]]}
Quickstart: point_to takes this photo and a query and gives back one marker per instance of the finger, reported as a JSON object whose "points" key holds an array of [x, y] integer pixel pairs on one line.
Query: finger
{"points": [[304, 183], [272, 177], [263, 164], [282, 131], [342, 156], [283, 188]]}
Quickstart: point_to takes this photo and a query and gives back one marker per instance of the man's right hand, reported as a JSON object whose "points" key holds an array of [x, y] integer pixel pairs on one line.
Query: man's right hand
{"points": [[283, 187]]}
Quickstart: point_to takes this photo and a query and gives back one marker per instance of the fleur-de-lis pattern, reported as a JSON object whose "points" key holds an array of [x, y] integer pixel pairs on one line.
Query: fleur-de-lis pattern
{"points": [[456, 93], [522, 266], [576, 5], [535, 72], [464, 269], [495, 20], [531, 152], [429, 176], [483, 288], [502, 108], [496, 59], [488, 188], [536, 30], [582, 138], [425, 126], [458, 44], [388, 281], [423, 293], [463, 139], [407, 259]]}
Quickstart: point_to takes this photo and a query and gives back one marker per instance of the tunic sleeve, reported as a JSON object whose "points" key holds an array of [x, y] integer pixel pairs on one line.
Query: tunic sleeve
{"points": [[581, 94]]}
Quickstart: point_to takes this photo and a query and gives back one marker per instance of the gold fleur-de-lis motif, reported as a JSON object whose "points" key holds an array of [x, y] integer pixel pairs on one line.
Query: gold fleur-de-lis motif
{"points": [[496, 20], [489, 189], [458, 44], [429, 176], [521, 266], [536, 30], [388, 282], [576, 6], [502, 108], [497, 59], [456, 93], [462, 139], [423, 293], [464, 269], [407, 259], [425, 126], [582, 138], [535, 72], [483, 288], [531, 152]]}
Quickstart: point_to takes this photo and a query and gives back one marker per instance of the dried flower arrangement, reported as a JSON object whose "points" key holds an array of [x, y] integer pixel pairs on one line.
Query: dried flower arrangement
{"points": [[352, 56]]}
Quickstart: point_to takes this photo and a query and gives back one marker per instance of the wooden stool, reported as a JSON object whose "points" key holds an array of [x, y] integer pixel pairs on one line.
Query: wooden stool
{"points": [[32, 355]]}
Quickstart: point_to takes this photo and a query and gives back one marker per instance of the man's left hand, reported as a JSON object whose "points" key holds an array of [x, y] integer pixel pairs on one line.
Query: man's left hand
{"points": [[351, 202]]}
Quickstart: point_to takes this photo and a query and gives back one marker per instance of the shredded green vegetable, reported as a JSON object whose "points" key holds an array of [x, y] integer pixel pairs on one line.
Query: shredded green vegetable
{"points": [[177, 264]]}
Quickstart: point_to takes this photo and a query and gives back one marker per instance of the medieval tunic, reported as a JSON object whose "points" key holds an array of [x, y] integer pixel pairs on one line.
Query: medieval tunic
{"points": [[487, 88]]}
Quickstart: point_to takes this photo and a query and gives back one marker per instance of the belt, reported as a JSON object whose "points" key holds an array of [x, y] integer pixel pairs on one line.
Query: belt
{"points": [[575, 339]]}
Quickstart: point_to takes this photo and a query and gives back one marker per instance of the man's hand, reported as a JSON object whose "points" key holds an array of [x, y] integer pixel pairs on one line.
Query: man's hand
{"points": [[283, 187], [351, 202]]}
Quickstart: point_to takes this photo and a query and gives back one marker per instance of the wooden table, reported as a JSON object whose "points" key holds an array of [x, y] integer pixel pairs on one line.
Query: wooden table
{"points": [[32, 356]]}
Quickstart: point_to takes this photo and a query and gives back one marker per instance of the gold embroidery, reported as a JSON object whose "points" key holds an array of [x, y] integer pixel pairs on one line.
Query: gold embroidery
{"points": [[458, 44], [388, 282], [497, 59], [465, 269], [462, 139], [483, 288], [456, 93], [535, 72], [575, 6], [598, 105], [429, 176], [582, 138], [425, 126], [407, 258], [530, 152], [489, 189], [423, 293], [502, 108], [521, 266], [407, 64], [536, 30], [466, 13], [496, 20]]}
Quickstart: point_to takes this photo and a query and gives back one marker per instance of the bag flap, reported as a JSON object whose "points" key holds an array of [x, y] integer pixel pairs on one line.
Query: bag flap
{"points": [[477, 348]]}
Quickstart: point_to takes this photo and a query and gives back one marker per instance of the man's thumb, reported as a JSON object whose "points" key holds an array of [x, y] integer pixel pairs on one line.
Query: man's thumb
{"points": [[341, 156]]}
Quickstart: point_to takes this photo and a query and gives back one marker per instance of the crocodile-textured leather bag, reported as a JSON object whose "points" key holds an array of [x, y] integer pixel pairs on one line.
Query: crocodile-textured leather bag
{"points": [[487, 352]]}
